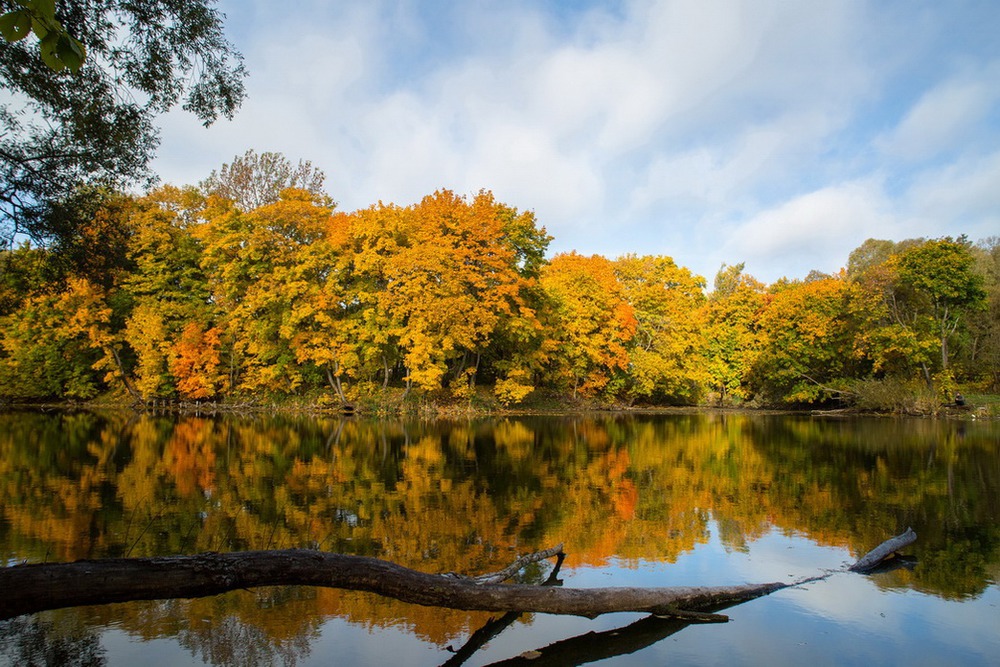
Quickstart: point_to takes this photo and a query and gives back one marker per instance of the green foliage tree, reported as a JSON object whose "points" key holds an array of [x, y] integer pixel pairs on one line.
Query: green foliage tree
{"points": [[57, 48], [870, 254], [982, 351], [60, 128], [24, 271], [942, 272], [886, 313]]}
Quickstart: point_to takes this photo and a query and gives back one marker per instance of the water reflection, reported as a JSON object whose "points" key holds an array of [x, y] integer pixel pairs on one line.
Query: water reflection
{"points": [[468, 497]]}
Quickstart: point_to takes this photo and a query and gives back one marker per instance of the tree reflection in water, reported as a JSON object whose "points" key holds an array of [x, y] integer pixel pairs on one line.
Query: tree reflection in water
{"points": [[469, 496]]}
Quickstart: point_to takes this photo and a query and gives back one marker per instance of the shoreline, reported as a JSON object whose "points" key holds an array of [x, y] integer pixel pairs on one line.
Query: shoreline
{"points": [[449, 411]]}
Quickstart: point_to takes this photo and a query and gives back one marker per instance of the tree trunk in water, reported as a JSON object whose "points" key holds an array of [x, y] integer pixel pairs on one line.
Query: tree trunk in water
{"points": [[36, 587], [887, 549]]}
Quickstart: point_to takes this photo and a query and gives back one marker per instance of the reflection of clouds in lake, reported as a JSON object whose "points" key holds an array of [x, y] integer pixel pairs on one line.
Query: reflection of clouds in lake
{"points": [[858, 606], [128, 649], [971, 622], [845, 619], [341, 642]]}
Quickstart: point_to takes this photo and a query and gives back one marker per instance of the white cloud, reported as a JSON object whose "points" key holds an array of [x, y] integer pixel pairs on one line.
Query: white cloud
{"points": [[945, 117], [816, 230], [713, 132], [961, 197]]}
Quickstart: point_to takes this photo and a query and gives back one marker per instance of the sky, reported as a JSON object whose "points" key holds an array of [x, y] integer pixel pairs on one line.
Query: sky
{"points": [[778, 133]]}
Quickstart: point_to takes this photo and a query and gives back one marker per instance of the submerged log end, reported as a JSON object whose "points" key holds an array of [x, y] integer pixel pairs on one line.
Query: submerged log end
{"points": [[873, 558]]}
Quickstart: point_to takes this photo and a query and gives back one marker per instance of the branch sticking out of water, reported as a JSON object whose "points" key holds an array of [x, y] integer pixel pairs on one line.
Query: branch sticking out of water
{"points": [[887, 549]]}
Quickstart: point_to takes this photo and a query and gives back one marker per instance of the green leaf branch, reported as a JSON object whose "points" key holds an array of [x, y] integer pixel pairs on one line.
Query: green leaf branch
{"points": [[58, 49]]}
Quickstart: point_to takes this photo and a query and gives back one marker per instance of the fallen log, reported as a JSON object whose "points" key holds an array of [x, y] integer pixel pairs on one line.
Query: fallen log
{"points": [[40, 586], [887, 549]]}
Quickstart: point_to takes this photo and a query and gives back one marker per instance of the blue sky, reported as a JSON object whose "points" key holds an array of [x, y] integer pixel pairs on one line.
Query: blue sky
{"points": [[778, 133]]}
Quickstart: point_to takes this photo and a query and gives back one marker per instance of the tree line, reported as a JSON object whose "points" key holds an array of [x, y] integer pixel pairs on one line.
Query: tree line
{"points": [[253, 285]]}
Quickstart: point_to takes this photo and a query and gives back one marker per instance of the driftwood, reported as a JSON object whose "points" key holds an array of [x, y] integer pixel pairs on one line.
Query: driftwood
{"points": [[877, 556], [39, 586]]}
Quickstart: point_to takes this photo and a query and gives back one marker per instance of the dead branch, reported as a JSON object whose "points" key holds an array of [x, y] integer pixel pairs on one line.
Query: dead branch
{"points": [[520, 564]]}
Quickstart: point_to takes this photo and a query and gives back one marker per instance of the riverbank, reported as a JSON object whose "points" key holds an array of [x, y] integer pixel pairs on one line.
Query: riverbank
{"points": [[392, 402]]}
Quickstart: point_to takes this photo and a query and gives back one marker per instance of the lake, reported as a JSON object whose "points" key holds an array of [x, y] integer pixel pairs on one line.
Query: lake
{"points": [[637, 500]]}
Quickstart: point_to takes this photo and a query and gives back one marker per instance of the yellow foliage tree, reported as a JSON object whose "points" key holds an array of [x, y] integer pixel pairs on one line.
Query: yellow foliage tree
{"points": [[665, 357]]}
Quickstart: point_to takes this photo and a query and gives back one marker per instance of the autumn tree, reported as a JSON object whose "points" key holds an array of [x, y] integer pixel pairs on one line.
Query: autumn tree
{"points": [[664, 356], [591, 323], [371, 239], [321, 325], [50, 346], [167, 289], [807, 342], [732, 331], [455, 286], [433, 284], [516, 354], [253, 261]]}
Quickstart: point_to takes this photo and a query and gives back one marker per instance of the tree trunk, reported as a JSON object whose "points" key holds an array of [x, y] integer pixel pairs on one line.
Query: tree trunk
{"points": [[36, 587], [133, 392], [334, 381]]}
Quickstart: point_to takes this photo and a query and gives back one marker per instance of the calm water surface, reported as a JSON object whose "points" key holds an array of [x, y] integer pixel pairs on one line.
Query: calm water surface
{"points": [[680, 499]]}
